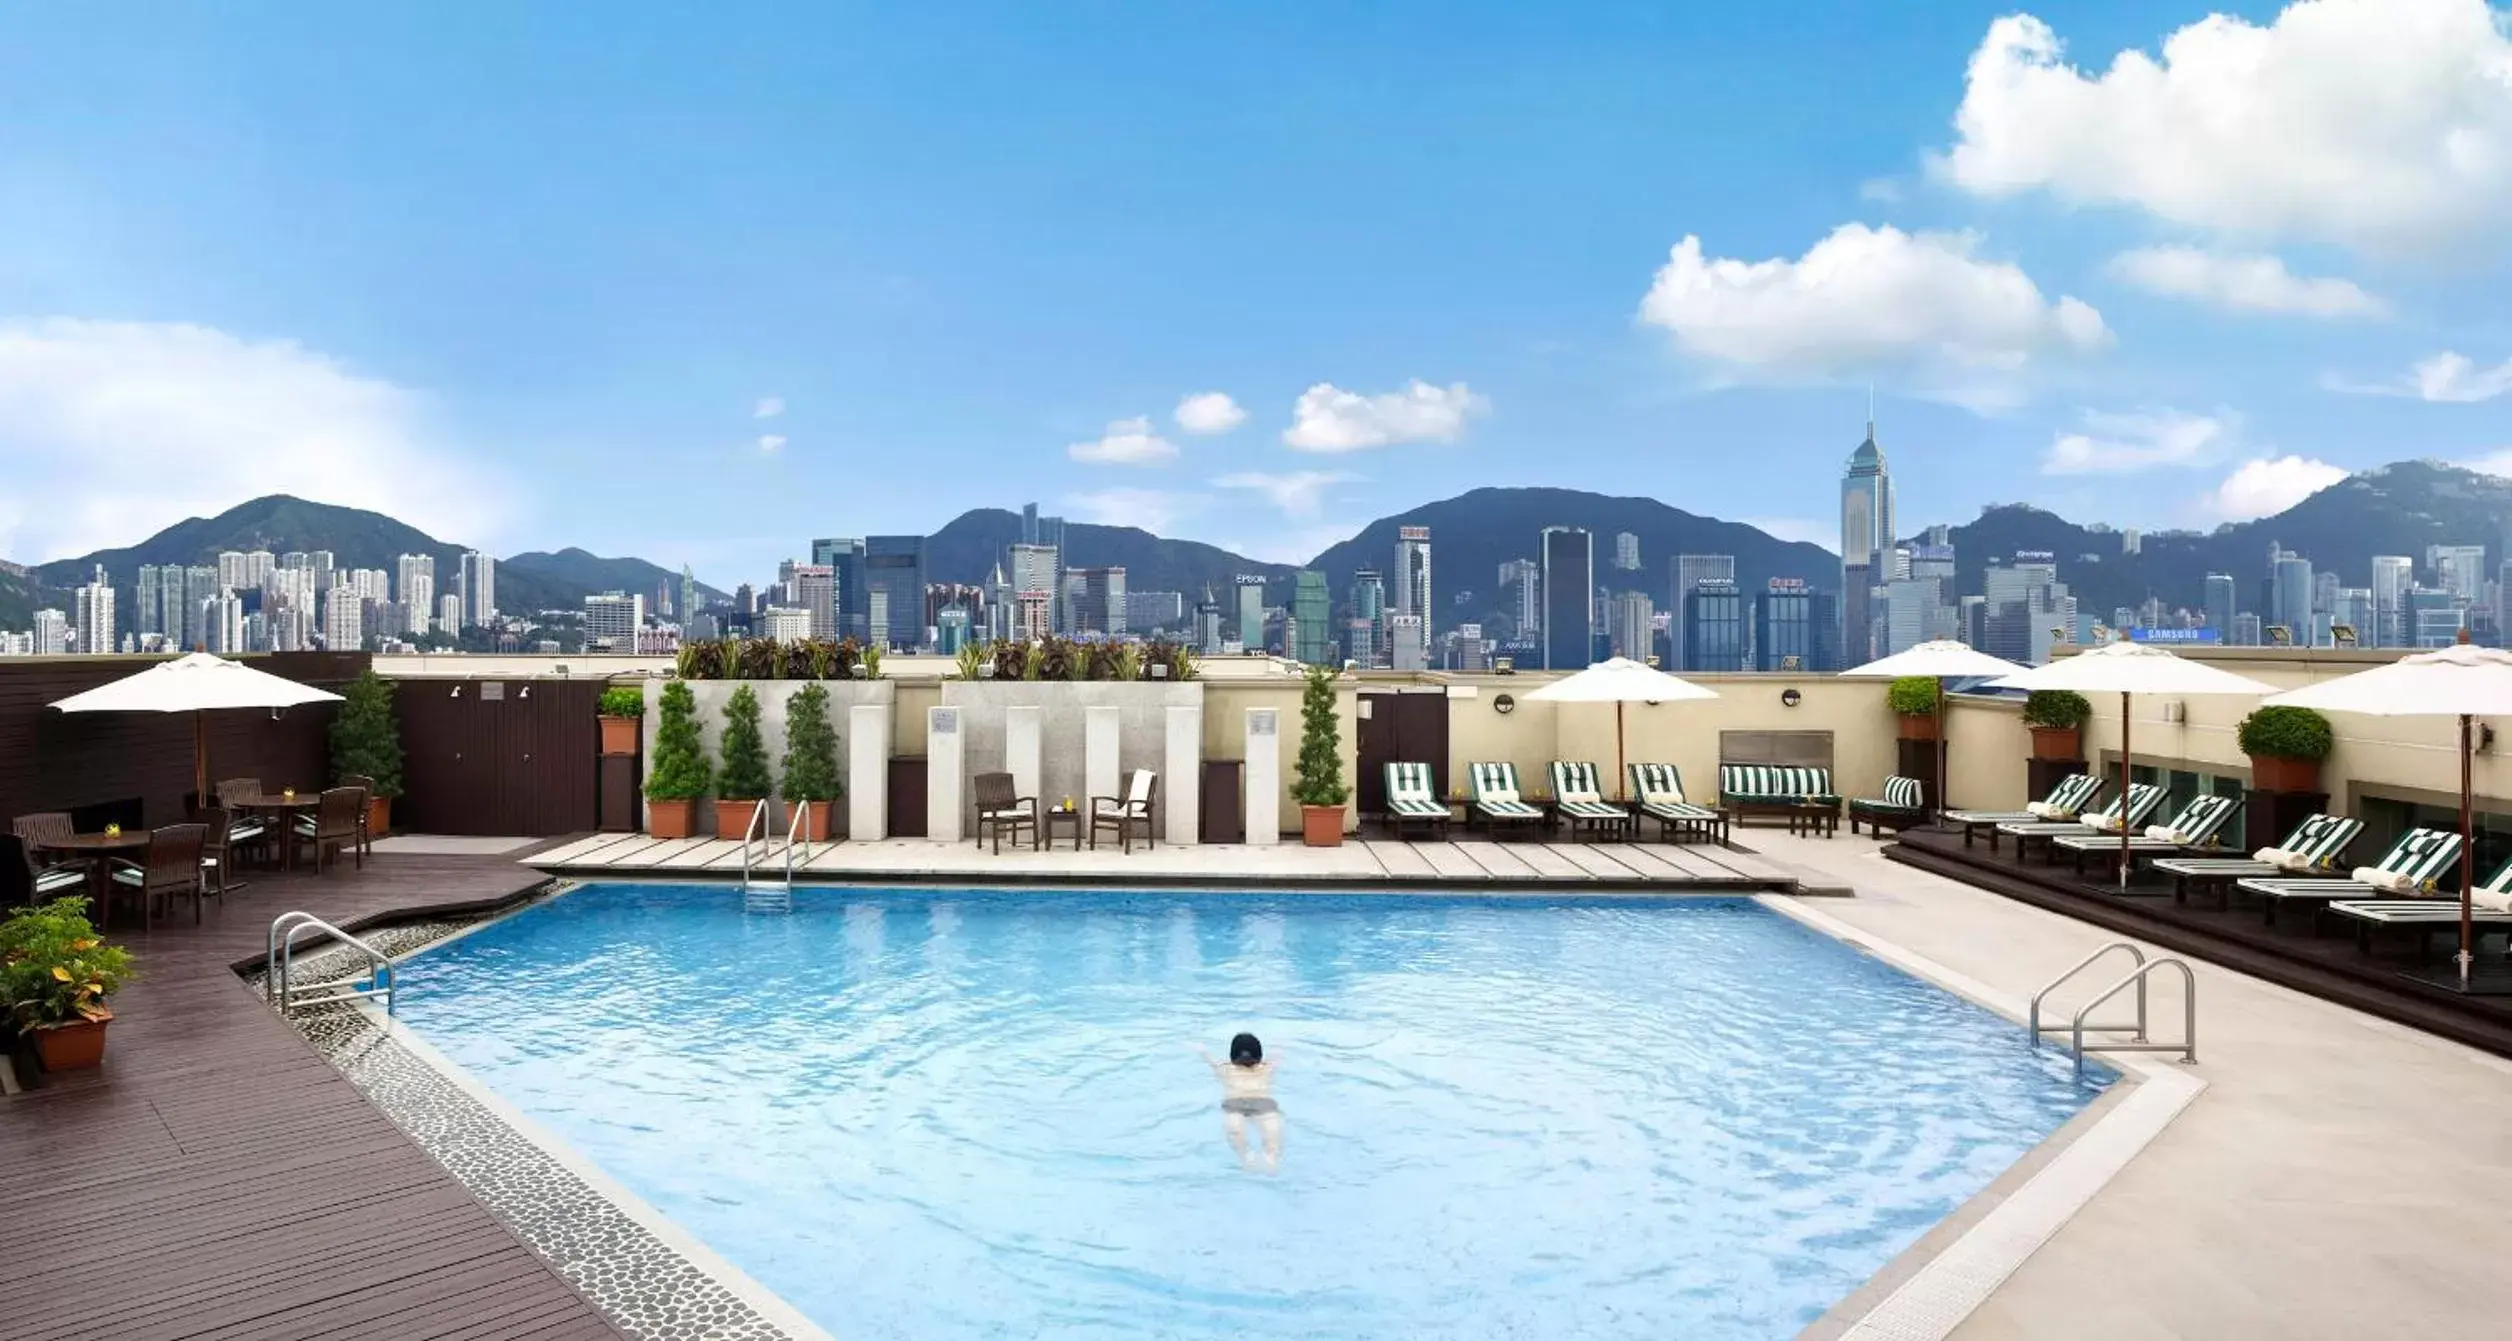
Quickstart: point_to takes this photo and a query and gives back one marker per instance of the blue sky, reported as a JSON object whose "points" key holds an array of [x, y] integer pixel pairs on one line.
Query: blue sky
{"points": [[699, 285]]}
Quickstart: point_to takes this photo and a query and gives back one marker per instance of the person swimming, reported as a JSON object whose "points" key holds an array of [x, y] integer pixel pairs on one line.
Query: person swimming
{"points": [[1247, 1092]]}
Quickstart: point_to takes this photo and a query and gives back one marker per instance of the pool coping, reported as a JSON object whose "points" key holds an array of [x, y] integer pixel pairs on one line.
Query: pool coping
{"points": [[1921, 1294]]}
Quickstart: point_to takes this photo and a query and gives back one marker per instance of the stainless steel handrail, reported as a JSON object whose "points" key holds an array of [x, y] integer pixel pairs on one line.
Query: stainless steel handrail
{"points": [[758, 817], [2033, 1022], [279, 957], [2187, 1047]]}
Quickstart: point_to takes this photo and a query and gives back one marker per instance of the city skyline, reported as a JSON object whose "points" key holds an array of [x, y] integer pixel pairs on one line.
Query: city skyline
{"points": [[776, 308]]}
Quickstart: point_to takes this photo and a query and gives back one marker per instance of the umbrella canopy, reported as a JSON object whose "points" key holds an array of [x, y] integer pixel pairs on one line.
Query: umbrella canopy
{"points": [[2126, 668], [2463, 681], [1943, 659], [1619, 680], [196, 684]]}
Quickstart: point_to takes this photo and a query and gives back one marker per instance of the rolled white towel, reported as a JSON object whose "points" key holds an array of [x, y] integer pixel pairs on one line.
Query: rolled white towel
{"points": [[2165, 833], [2104, 823], [2393, 882], [2047, 811], [2487, 900], [2282, 859]]}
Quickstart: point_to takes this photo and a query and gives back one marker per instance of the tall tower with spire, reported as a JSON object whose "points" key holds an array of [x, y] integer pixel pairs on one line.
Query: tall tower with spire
{"points": [[1866, 538]]}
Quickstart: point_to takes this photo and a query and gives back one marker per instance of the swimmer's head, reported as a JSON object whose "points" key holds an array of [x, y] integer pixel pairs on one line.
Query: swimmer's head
{"points": [[1246, 1051]]}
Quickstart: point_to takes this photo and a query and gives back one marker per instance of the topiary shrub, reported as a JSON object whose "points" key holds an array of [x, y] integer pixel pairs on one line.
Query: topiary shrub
{"points": [[810, 766], [1912, 696], [2287, 733], [745, 775], [366, 736], [681, 771], [621, 701], [2061, 709], [1320, 781]]}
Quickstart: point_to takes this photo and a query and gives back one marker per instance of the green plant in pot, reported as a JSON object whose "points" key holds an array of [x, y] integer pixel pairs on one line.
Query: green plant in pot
{"points": [[2286, 746], [366, 742], [810, 766], [1913, 698], [743, 785], [621, 710], [55, 973], [2056, 718], [1318, 785], [679, 775]]}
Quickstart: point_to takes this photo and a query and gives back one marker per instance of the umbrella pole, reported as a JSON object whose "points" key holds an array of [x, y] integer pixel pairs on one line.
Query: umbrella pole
{"points": [[1619, 768], [2125, 756], [200, 762], [2467, 834], [1944, 752]]}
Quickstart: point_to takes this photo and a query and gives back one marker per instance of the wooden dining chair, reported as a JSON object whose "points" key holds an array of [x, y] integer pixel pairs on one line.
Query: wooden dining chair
{"points": [[1002, 809], [217, 859], [332, 826], [46, 873], [170, 869], [1128, 813], [366, 810]]}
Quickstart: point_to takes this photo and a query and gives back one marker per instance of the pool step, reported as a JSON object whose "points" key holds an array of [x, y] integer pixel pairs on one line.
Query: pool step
{"points": [[767, 896]]}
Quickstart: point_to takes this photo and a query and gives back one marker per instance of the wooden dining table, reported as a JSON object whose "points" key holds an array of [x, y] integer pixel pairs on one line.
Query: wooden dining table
{"points": [[99, 851], [282, 809]]}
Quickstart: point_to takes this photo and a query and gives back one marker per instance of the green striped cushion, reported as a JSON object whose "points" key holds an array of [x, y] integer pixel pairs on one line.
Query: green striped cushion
{"points": [[1903, 793], [1575, 781], [1773, 782], [1410, 781], [2074, 791], [1494, 782], [1657, 783]]}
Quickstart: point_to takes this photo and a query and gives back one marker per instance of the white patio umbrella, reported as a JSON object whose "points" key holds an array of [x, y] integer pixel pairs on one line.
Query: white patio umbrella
{"points": [[2125, 668], [198, 683], [2461, 681], [1940, 660], [1619, 680]]}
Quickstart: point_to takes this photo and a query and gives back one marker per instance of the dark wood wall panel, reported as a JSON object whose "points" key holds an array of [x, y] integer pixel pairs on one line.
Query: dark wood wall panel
{"points": [[510, 758]]}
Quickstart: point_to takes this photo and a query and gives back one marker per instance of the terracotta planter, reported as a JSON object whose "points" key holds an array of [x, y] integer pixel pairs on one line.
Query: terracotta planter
{"points": [[2058, 742], [2271, 774], [76, 1046], [619, 734], [378, 816], [1918, 726], [1321, 826], [667, 819], [733, 817], [809, 820]]}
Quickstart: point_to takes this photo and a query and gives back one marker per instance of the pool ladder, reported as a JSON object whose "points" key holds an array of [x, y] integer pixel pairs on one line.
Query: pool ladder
{"points": [[2076, 1028], [278, 989], [762, 895]]}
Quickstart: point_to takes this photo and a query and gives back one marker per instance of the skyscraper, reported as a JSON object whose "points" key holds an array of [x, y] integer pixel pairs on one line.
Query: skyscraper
{"points": [[1866, 533], [815, 592], [2220, 606], [894, 588], [150, 616], [2292, 606], [92, 609], [2023, 600], [1369, 617], [1033, 569], [1793, 628], [2393, 577], [53, 633], [1099, 604], [1250, 589], [688, 593], [2458, 569], [1634, 625], [843, 557], [1569, 559], [1312, 615], [1523, 579], [479, 588], [449, 614], [1691, 570], [415, 587], [612, 619], [1627, 552], [1713, 619], [1409, 592], [344, 620]]}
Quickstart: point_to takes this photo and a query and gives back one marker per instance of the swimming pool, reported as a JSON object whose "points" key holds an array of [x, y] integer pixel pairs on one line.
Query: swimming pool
{"points": [[937, 1113]]}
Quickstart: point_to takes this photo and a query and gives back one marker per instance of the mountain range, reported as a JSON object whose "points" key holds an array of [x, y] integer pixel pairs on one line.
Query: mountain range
{"points": [[2395, 509]]}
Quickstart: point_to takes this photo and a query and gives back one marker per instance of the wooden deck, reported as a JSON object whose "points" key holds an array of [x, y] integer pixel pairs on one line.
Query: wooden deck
{"points": [[219, 1179], [2317, 961]]}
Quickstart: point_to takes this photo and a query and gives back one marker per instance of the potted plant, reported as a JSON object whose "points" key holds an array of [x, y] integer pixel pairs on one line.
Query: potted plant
{"points": [[2057, 720], [743, 785], [366, 740], [678, 775], [810, 765], [2286, 746], [55, 974], [622, 711], [1913, 699], [1320, 788]]}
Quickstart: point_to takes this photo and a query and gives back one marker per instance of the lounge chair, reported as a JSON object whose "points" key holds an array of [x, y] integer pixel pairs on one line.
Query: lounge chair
{"points": [[2409, 868], [47, 874], [1128, 813], [1412, 799], [170, 869], [1579, 798], [2193, 830], [1001, 809], [2317, 844], [1495, 800], [1777, 789], [2141, 799], [2066, 801], [2490, 909], [1659, 788], [1903, 804], [332, 826]]}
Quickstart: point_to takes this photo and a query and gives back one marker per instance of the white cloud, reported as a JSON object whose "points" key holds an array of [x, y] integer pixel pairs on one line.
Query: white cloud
{"points": [[1128, 442], [1208, 412], [2380, 124], [2118, 444], [1883, 190], [1920, 309], [2265, 486], [1806, 530], [2446, 377], [2243, 283], [771, 443], [2497, 462], [1299, 493], [1328, 418], [768, 407], [123, 428], [1155, 510]]}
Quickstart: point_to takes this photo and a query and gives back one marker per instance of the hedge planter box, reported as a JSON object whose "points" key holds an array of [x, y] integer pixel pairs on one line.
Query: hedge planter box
{"points": [[619, 735], [76, 1046], [2269, 773], [733, 818], [1321, 826], [667, 819], [2058, 742]]}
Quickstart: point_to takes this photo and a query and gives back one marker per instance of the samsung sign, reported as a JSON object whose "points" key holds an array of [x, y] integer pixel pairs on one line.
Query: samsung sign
{"points": [[2175, 636]]}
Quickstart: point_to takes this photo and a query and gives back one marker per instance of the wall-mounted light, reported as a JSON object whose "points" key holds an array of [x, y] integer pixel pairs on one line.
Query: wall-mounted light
{"points": [[2485, 737], [1504, 704], [457, 692], [526, 692], [1789, 698]]}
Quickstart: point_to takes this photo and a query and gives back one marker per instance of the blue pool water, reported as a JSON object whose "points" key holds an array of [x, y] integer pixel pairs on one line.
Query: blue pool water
{"points": [[959, 1114]]}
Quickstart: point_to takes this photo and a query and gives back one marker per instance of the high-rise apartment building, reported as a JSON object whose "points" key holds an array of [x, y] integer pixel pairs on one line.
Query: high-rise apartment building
{"points": [[231, 569], [611, 621], [815, 592], [1312, 617], [1627, 553], [894, 580], [344, 620], [1569, 582], [1690, 571], [1368, 644], [1523, 581], [222, 619], [92, 608], [2220, 605], [414, 585], [449, 614], [1795, 628], [2459, 570], [1633, 625], [1713, 619], [1249, 588], [1408, 583], [1098, 601], [784, 623], [53, 633], [1866, 537], [2393, 577], [150, 598], [200, 583], [479, 589]]}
